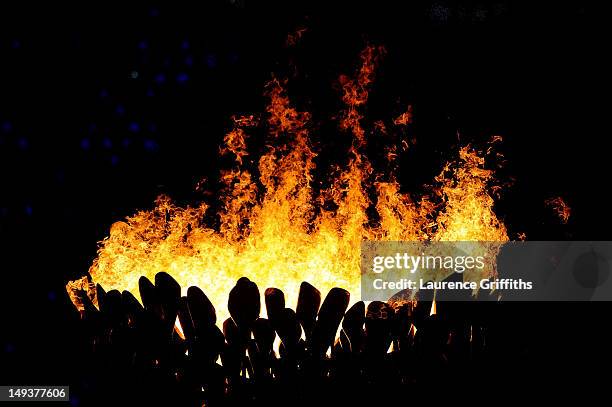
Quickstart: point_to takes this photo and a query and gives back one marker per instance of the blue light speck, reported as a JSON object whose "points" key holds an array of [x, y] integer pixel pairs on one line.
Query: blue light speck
{"points": [[150, 145], [211, 61], [134, 127], [182, 78], [160, 78]]}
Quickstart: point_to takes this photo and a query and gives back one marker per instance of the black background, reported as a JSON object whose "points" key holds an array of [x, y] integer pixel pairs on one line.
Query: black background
{"points": [[104, 107]]}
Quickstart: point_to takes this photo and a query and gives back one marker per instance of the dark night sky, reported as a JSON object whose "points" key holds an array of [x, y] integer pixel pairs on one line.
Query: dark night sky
{"points": [[104, 107]]}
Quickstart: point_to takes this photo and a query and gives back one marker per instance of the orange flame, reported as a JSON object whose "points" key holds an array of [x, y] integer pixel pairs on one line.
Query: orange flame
{"points": [[405, 118], [277, 230], [434, 309], [560, 207], [178, 328], [82, 287]]}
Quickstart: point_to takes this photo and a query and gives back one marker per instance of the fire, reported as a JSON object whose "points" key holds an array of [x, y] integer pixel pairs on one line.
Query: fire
{"points": [[405, 118], [178, 328], [560, 207], [277, 229], [82, 284]]}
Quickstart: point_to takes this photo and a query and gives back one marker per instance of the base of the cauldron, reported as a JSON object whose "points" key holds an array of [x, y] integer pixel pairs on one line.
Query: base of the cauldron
{"points": [[509, 351]]}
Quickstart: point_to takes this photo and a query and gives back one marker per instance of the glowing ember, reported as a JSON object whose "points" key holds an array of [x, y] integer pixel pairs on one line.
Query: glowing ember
{"points": [[277, 230], [560, 207], [405, 118]]}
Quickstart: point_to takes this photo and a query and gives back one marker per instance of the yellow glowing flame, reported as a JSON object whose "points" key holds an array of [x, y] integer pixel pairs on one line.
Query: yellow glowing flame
{"points": [[178, 328], [434, 309], [277, 231]]}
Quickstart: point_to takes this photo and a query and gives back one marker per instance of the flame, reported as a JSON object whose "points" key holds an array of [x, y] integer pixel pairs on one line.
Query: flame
{"points": [[277, 229], [79, 287], [405, 118], [178, 328], [560, 207]]}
